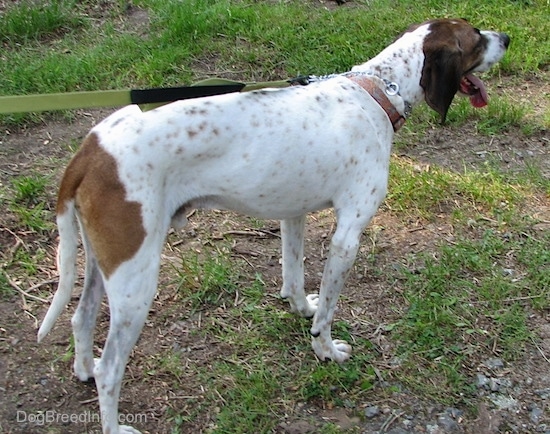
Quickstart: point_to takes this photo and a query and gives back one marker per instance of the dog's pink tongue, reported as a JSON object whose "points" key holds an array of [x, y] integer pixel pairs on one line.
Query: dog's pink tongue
{"points": [[479, 97]]}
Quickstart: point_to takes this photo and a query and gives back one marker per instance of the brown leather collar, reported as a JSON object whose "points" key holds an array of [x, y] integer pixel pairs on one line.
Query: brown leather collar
{"points": [[397, 119]]}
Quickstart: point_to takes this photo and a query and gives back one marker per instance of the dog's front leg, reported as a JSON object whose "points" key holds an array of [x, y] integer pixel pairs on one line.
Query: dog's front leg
{"points": [[343, 249], [292, 232]]}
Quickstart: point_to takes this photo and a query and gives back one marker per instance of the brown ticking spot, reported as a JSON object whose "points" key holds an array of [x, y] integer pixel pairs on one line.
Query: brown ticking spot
{"points": [[113, 224], [117, 122]]}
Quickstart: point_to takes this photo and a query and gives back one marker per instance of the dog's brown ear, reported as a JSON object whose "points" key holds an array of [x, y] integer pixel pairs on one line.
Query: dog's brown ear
{"points": [[441, 75]]}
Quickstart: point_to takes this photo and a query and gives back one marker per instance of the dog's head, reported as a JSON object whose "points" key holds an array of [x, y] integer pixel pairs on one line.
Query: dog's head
{"points": [[453, 51]]}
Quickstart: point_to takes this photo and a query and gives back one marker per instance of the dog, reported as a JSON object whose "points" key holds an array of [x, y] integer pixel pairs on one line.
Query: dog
{"points": [[272, 153]]}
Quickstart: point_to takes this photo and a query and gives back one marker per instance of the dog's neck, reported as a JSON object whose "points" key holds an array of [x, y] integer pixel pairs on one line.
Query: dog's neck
{"points": [[385, 94], [400, 63]]}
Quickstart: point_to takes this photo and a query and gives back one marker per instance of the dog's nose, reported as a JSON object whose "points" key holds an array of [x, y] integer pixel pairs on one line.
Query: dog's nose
{"points": [[505, 39]]}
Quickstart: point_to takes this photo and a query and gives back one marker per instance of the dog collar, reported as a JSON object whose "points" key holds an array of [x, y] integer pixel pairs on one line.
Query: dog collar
{"points": [[397, 119]]}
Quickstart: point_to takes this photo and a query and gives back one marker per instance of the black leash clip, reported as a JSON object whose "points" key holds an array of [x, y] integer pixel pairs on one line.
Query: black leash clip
{"points": [[301, 80]]}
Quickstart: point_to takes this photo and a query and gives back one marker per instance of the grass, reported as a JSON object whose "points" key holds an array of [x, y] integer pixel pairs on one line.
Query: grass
{"points": [[428, 190], [253, 384], [463, 299], [239, 38], [28, 200], [31, 21]]}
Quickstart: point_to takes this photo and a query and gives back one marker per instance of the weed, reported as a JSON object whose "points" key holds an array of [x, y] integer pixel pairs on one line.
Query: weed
{"points": [[208, 280], [29, 189], [29, 260], [6, 291], [36, 219]]}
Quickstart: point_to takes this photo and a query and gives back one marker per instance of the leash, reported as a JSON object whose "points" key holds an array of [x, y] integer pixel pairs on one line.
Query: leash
{"points": [[146, 98], [149, 99]]}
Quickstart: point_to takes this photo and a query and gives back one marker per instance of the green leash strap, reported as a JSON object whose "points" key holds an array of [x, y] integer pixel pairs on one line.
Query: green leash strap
{"points": [[146, 98]]}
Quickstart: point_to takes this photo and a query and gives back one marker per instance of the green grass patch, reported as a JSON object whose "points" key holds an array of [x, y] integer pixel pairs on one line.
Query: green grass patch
{"points": [[426, 190], [30, 21], [256, 40], [253, 392], [470, 297], [209, 280], [270, 365], [27, 198], [29, 189]]}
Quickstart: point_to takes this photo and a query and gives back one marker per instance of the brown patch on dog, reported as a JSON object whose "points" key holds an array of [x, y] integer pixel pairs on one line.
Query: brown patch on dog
{"points": [[112, 224]]}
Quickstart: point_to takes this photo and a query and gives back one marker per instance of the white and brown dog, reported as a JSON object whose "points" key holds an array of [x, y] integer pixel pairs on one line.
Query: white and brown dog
{"points": [[276, 154]]}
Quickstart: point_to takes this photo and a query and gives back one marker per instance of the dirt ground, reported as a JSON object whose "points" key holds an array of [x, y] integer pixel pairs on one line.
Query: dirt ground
{"points": [[39, 377]]}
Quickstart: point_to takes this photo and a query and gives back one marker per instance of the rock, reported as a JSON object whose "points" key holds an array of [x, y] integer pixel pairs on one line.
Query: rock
{"points": [[504, 402], [494, 363], [481, 381], [535, 414], [372, 411], [448, 424], [455, 413], [494, 385]]}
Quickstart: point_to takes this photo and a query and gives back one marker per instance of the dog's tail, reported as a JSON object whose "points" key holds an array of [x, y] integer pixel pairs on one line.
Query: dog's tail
{"points": [[66, 265]]}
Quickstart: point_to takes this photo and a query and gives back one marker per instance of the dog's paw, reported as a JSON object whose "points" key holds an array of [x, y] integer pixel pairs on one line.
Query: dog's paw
{"points": [[337, 350], [305, 307], [84, 369], [313, 303]]}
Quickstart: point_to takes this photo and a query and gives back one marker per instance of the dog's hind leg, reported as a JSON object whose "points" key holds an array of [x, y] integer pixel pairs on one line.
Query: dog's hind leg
{"points": [[130, 290], [84, 318], [292, 232]]}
